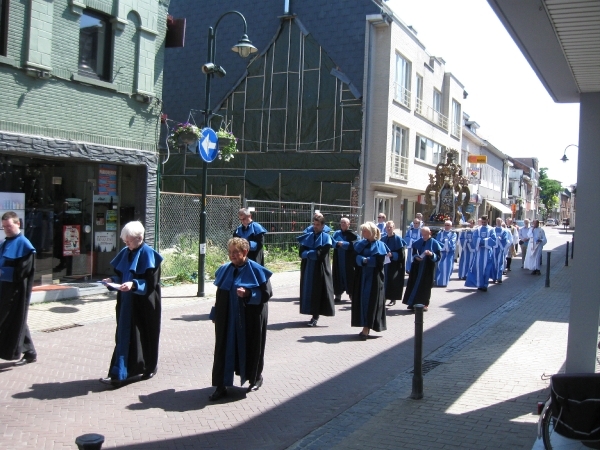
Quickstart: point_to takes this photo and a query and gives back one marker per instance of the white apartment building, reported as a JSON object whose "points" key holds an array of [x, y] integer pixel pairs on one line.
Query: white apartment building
{"points": [[412, 115]]}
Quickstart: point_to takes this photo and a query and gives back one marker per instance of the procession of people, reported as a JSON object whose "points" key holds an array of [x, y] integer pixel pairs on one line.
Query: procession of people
{"points": [[369, 266]]}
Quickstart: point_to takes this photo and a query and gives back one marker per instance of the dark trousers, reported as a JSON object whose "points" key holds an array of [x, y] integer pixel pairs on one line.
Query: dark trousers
{"points": [[27, 344]]}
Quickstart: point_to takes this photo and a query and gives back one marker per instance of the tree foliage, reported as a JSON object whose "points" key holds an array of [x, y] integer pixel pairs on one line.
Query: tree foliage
{"points": [[549, 191]]}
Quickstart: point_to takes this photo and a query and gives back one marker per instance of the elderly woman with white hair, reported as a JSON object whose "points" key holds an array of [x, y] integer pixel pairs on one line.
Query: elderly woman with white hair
{"points": [[137, 282], [368, 294]]}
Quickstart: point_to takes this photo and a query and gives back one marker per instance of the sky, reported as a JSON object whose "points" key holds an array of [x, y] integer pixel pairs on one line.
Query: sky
{"points": [[506, 98]]}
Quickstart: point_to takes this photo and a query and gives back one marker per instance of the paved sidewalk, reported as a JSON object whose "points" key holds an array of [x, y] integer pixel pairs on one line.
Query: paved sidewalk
{"points": [[323, 388]]}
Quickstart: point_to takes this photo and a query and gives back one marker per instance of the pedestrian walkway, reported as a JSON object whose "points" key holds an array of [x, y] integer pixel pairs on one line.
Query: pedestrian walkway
{"points": [[485, 354]]}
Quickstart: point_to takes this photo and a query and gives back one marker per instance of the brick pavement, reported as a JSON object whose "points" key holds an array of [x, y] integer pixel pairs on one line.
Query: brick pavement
{"points": [[323, 388]]}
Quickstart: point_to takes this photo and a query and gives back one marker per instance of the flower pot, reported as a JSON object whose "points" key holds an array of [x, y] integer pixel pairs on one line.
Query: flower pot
{"points": [[224, 142], [187, 138]]}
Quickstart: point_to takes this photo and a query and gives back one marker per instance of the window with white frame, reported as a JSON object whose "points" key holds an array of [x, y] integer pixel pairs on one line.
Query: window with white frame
{"points": [[419, 94], [429, 151], [456, 118], [399, 152], [437, 100], [402, 81]]}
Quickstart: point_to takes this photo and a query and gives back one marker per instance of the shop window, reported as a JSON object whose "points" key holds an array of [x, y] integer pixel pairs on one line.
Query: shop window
{"points": [[3, 26], [95, 45]]}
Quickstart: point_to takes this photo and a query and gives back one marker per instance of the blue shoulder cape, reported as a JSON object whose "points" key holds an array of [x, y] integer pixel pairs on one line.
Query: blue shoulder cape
{"points": [[378, 249], [253, 229], [311, 241], [250, 275], [17, 247], [145, 258]]}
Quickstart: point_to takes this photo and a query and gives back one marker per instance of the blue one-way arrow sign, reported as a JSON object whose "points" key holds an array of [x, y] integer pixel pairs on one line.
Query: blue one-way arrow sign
{"points": [[208, 145]]}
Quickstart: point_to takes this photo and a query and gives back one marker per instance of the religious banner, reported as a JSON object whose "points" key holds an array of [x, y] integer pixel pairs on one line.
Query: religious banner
{"points": [[71, 240], [105, 241]]}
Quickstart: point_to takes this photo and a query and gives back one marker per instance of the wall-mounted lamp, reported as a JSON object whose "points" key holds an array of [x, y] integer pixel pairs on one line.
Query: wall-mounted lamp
{"points": [[564, 156]]}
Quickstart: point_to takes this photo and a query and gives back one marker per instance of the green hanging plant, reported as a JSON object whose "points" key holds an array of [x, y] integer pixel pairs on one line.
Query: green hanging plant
{"points": [[227, 143], [184, 134]]}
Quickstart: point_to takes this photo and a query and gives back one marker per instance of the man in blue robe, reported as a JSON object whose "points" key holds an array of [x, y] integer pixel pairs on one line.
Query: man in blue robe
{"points": [[139, 309], [425, 252], [503, 241], [447, 240], [240, 316], [343, 259], [17, 268], [254, 233], [482, 245], [412, 235], [394, 270], [381, 218], [466, 254], [316, 282]]}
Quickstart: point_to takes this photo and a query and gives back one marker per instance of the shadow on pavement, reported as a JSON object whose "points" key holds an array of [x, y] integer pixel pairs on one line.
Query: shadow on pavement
{"points": [[63, 309], [192, 318], [330, 338], [68, 389], [284, 300], [284, 325], [182, 401]]}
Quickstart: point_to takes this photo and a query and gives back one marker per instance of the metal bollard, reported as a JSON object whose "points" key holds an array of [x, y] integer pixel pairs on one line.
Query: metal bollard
{"points": [[548, 269], [417, 381], [567, 255], [90, 441], [572, 245]]}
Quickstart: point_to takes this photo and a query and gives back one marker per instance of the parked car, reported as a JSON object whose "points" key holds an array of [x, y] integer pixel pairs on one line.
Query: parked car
{"points": [[551, 222]]}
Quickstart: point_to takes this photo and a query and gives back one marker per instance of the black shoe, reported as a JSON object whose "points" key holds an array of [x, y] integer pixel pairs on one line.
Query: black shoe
{"points": [[110, 382], [312, 322], [148, 375], [391, 303], [256, 385], [220, 392], [484, 289], [534, 272], [410, 307], [26, 359], [499, 281], [337, 300], [363, 337]]}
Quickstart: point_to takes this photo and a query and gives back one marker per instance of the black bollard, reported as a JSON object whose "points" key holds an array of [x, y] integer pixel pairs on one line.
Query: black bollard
{"points": [[572, 245], [417, 381], [90, 441], [548, 269], [567, 255]]}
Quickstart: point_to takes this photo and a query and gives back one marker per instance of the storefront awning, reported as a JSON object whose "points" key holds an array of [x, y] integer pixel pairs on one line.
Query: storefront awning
{"points": [[500, 207]]}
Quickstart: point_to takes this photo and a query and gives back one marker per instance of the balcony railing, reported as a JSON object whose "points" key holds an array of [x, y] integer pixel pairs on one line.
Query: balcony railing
{"points": [[431, 114], [402, 95], [455, 129], [399, 166]]}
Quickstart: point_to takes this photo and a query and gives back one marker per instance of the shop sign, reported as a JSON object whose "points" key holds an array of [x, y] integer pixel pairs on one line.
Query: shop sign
{"points": [[477, 159]]}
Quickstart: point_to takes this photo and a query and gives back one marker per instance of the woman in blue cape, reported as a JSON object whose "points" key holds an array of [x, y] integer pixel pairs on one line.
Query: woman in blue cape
{"points": [[137, 280], [240, 315], [316, 281], [254, 233], [368, 293]]}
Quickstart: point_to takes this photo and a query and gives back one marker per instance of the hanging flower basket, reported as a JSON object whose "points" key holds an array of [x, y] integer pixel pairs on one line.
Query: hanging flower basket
{"points": [[184, 134], [227, 144]]}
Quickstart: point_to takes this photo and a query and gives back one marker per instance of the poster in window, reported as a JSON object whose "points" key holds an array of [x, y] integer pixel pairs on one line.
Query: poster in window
{"points": [[111, 220], [107, 180], [105, 241], [71, 240], [100, 218], [474, 175]]}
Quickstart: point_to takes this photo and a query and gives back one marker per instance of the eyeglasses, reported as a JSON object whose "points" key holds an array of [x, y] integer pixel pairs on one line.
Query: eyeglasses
{"points": [[381, 217]]}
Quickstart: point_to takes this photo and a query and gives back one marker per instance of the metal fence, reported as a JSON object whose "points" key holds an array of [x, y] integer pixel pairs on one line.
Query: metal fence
{"points": [[179, 225], [285, 221]]}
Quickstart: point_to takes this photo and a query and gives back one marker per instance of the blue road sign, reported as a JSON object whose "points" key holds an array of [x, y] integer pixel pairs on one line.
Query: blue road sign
{"points": [[208, 145]]}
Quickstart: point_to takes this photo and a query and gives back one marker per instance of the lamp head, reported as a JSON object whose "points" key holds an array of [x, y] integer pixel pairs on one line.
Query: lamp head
{"points": [[244, 47], [564, 158]]}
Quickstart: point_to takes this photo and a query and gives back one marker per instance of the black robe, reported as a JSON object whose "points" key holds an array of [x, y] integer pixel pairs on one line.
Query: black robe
{"points": [[138, 313], [240, 323], [17, 267], [254, 234], [394, 270], [343, 262], [422, 273], [368, 295], [316, 282]]}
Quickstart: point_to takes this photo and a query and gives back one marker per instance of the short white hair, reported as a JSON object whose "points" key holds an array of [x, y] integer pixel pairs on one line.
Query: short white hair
{"points": [[133, 229]]}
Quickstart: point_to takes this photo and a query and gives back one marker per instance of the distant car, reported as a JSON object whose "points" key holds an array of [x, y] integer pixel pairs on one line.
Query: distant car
{"points": [[520, 223], [551, 222]]}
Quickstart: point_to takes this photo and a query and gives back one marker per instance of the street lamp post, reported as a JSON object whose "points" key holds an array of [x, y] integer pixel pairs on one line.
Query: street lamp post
{"points": [[244, 48], [564, 157]]}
